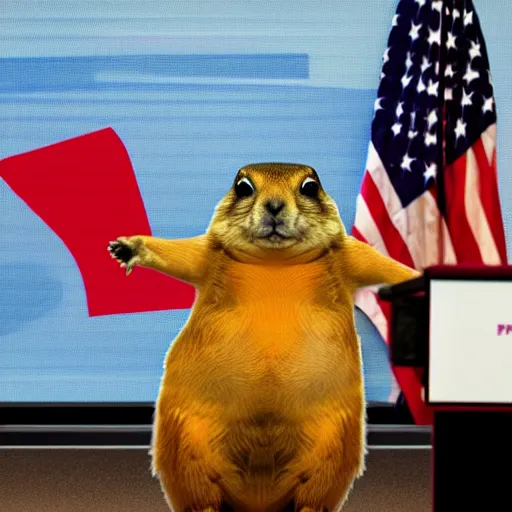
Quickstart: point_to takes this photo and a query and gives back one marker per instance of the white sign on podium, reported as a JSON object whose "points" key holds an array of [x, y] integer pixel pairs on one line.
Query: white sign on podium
{"points": [[470, 342]]}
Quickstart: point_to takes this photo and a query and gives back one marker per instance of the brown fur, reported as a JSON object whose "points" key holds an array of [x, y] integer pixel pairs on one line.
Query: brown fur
{"points": [[262, 397]]}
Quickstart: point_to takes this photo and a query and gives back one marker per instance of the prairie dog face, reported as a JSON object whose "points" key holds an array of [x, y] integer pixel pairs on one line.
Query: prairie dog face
{"points": [[274, 208]]}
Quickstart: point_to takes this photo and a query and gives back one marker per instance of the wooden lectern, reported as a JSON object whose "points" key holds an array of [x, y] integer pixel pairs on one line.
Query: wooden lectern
{"points": [[456, 322]]}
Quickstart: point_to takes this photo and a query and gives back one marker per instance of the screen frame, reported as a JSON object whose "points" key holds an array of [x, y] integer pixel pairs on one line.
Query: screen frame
{"points": [[130, 426], [383, 437], [127, 413], [462, 273]]}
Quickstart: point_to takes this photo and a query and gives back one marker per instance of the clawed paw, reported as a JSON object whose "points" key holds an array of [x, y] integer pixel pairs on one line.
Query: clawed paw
{"points": [[124, 252]]}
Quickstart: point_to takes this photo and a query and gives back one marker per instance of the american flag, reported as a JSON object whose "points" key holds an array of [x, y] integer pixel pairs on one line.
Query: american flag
{"points": [[430, 191]]}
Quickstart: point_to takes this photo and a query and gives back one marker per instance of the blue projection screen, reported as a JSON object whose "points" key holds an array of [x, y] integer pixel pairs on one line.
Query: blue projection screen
{"points": [[195, 90]]}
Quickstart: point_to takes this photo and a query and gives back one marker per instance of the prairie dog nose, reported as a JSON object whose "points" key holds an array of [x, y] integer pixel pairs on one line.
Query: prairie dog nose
{"points": [[274, 206]]}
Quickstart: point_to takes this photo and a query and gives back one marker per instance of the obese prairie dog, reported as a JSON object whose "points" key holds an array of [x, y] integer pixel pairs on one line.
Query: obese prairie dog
{"points": [[261, 402]]}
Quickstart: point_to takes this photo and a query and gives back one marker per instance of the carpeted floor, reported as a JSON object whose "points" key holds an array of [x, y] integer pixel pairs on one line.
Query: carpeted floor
{"points": [[120, 481]]}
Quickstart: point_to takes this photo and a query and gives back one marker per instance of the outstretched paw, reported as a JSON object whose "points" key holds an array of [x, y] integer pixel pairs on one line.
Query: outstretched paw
{"points": [[125, 252]]}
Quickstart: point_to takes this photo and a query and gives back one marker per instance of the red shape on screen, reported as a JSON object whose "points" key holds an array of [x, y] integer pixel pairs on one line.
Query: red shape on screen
{"points": [[86, 191]]}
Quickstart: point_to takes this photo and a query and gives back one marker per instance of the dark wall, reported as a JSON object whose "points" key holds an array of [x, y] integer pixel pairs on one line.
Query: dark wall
{"points": [[120, 481]]}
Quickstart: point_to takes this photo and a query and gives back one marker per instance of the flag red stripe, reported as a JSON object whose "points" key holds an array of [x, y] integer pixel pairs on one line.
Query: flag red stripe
{"points": [[464, 242], [357, 234], [409, 379], [395, 245], [386, 311], [489, 195]]}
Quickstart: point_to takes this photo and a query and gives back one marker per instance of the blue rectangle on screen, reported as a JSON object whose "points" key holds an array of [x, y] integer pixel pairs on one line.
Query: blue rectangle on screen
{"points": [[98, 72]]}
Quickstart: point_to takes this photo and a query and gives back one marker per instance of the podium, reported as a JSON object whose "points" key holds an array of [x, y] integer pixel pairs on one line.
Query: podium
{"points": [[456, 323]]}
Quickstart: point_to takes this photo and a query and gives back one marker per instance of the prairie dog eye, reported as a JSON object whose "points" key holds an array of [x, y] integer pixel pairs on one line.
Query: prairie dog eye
{"points": [[309, 188], [244, 188]]}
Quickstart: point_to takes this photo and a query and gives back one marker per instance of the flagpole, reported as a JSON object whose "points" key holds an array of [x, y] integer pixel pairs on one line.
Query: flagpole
{"points": [[441, 162], [441, 197]]}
